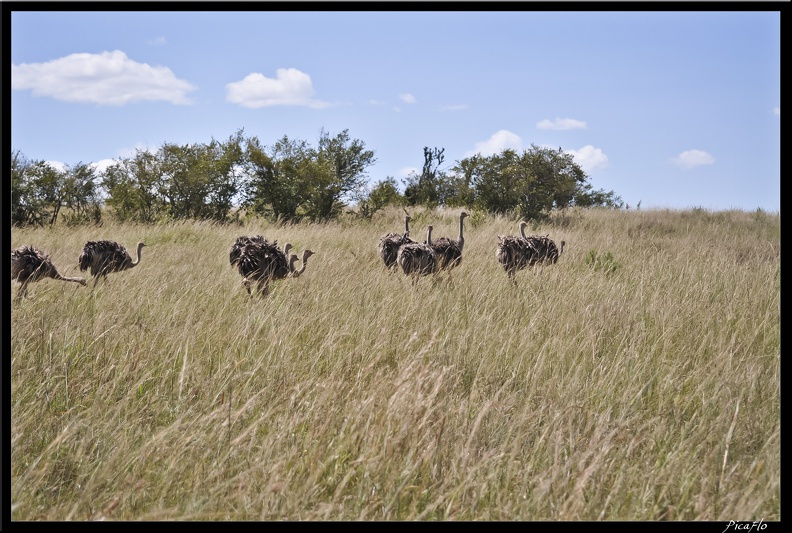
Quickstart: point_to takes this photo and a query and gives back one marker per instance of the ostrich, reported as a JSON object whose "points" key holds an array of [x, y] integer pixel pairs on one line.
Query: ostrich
{"points": [[29, 264], [104, 257], [256, 241], [296, 273], [510, 252], [516, 253], [418, 259], [261, 261], [546, 250], [391, 242], [449, 251]]}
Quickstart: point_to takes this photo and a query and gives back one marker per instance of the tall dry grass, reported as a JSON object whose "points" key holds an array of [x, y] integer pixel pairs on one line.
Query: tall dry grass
{"points": [[637, 379]]}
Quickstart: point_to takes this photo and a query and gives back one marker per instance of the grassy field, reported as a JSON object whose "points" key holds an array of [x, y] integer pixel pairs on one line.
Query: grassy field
{"points": [[637, 379]]}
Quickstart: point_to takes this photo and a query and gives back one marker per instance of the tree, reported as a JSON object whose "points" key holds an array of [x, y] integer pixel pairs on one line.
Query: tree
{"points": [[532, 183], [201, 180], [291, 179], [29, 204], [134, 187], [40, 192], [228, 181], [82, 196], [423, 188], [371, 199], [277, 184], [553, 177], [338, 170], [495, 179], [586, 197]]}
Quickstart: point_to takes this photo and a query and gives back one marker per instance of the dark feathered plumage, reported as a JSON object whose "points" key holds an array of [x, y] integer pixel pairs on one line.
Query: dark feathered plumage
{"points": [[449, 251], [516, 253], [513, 254], [261, 261], [29, 264], [544, 249], [418, 259], [391, 242], [104, 257]]}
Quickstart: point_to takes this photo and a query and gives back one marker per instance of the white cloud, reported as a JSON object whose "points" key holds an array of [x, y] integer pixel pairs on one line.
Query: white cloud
{"points": [[104, 164], [561, 124], [499, 141], [375, 102], [57, 165], [407, 98], [589, 158], [777, 111], [457, 107], [289, 87], [109, 78], [159, 41], [693, 158], [99, 166]]}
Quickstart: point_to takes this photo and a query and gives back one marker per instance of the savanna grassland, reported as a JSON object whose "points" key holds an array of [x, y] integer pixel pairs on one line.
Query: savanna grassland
{"points": [[636, 379]]}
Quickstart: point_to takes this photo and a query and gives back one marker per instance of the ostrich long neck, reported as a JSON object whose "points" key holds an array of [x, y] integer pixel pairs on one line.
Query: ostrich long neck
{"points": [[293, 259], [296, 273], [406, 225], [522, 229], [137, 261], [429, 236], [461, 220]]}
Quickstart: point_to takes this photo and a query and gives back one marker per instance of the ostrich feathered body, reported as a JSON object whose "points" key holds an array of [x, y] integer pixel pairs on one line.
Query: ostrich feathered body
{"points": [[257, 258], [389, 247], [390, 243], [417, 259], [516, 253], [449, 252], [31, 264], [101, 257], [544, 249]]}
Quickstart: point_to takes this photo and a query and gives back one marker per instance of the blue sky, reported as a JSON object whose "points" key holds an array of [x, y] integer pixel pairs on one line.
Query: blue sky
{"points": [[669, 109]]}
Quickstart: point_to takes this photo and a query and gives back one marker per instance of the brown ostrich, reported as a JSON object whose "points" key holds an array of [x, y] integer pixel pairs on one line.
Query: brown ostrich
{"points": [[104, 257], [516, 253], [260, 261], [546, 251], [418, 259], [449, 251], [390, 243], [29, 264]]}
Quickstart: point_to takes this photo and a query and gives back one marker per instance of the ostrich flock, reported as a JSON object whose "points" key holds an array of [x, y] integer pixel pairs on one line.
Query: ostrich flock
{"points": [[260, 261], [443, 254]]}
